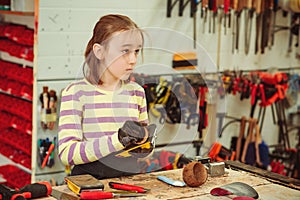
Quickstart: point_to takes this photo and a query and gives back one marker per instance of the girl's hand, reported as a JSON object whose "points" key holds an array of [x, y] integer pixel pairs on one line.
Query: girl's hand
{"points": [[132, 132], [135, 133]]}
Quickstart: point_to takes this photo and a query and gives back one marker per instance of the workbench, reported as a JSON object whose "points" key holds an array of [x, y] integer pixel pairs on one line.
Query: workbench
{"points": [[267, 189]]}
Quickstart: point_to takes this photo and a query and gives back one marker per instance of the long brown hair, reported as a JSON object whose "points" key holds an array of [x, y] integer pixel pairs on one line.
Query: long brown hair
{"points": [[103, 31]]}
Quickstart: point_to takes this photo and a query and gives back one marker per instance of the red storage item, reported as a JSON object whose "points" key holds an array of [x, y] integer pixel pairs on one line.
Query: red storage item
{"points": [[3, 84], [15, 155], [2, 29], [17, 139], [19, 124], [5, 119], [27, 37], [14, 176], [14, 88], [26, 53], [26, 92]]}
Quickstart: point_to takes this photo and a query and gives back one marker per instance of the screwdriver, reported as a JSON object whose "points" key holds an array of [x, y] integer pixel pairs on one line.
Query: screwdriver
{"points": [[105, 195], [30, 191]]}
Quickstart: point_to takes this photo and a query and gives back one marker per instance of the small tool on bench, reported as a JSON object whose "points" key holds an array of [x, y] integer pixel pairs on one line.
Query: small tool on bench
{"points": [[172, 182], [106, 195], [213, 168], [127, 187]]}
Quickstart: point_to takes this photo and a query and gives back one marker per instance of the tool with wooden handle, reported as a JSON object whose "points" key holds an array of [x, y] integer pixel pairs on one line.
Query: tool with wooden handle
{"points": [[258, 141], [241, 136], [252, 123]]}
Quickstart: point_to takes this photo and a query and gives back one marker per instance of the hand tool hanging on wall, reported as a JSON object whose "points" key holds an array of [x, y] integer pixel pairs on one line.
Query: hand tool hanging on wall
{"points": [[182, 5], [239, 5], [215, 14], [258, 5], [170, 6], [226, 14], [219, 35], [194, 4], [266, 12], [202, 8], [249, 12], [208, 5], [210, 9], [234, 8], [275, 9], [271, 23]]}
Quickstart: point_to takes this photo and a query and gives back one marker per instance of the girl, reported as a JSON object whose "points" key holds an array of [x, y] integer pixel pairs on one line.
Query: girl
{"points": [[94, 110]]}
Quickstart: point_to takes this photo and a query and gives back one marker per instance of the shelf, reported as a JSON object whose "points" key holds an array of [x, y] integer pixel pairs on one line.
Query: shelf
{"points": [[6, 161], [6, 57], [8, 12]]}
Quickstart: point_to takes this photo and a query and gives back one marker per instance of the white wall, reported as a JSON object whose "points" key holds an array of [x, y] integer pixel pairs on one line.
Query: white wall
{"points": [[65, 27]]}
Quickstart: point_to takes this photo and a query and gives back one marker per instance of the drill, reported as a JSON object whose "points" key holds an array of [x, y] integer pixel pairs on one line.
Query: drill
{"points": [[30, 191]]}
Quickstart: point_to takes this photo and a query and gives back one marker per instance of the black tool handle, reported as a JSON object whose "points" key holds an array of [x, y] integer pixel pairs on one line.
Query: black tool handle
{"points": [[36, 190]]}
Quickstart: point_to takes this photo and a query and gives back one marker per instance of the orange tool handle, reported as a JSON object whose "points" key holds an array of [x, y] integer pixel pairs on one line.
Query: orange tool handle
{"points": [[51, 148]]}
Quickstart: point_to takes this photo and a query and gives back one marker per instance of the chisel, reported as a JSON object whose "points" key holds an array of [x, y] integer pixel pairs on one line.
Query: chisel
{"points": [[106, 195], [248, 24], [258, 24]]}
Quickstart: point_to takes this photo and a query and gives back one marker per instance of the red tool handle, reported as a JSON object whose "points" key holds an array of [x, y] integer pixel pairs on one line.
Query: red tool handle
{"points": [[128, 187], [226, 6], [253, 94], [215, 6], [96, 195]]}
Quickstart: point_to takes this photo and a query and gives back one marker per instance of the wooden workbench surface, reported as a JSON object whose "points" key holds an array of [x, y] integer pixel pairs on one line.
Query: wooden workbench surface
{"points": [[159, 190]]}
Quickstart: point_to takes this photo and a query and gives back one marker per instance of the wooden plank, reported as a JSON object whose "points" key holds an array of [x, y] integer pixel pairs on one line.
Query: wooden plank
{"points": [[274, 177]]}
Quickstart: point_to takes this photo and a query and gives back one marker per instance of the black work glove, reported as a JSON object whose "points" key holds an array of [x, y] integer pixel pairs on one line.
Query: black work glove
{"points": [[134, 133]]}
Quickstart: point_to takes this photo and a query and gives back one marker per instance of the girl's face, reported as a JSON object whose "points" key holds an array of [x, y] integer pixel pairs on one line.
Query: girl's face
{"points": [[121, 54]]}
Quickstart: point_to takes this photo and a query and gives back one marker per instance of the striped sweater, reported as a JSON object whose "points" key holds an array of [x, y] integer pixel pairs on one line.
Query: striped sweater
{"points": [[90, 118]]}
